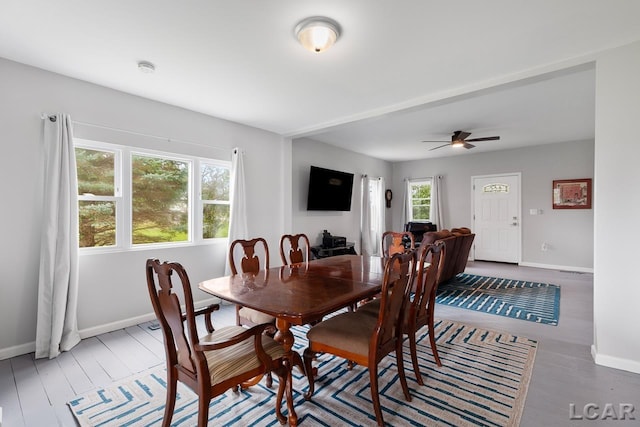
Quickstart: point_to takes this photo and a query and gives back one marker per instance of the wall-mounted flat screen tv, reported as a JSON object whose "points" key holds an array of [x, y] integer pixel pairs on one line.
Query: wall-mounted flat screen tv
{"points": [[329, 190]]}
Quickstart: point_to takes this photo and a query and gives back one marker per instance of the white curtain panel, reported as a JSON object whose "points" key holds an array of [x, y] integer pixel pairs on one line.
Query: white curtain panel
{"points": [[372, 222], [366, 244], [378, 207], [57, 325], [436, 215], [404, 214], [238, 213]]}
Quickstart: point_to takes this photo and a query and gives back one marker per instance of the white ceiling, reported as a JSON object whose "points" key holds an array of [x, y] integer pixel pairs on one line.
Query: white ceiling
{"points": [[402, 71]]}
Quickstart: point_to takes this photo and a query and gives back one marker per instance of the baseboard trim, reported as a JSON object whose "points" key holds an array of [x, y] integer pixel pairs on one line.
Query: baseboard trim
{"points": [[132, 321], [557, 267], [17, 350], [615, 362], [30, 347], [114, 326]]}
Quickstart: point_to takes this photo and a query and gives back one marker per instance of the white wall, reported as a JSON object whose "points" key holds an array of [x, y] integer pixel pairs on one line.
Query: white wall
{"points": [[112, 286], [616, 283], [569, 232], [307, 152]]}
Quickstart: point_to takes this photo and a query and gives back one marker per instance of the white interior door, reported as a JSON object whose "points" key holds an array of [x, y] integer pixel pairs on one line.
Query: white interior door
{"points": [[496, 219]]}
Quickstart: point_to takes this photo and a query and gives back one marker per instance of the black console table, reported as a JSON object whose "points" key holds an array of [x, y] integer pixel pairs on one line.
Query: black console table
{"points": [[322, 252]]}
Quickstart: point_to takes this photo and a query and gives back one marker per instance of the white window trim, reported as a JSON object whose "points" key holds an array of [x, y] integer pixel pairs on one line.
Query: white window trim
{"points": [[124, 214], [414, 181]]}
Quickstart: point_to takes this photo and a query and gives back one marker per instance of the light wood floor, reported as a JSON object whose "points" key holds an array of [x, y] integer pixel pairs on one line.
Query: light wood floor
{"points": [[33, 393]]}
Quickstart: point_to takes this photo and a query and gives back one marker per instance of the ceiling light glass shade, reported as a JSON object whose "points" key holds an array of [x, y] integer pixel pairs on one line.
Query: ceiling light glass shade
{"points": [[317, 33], [457, 144]]}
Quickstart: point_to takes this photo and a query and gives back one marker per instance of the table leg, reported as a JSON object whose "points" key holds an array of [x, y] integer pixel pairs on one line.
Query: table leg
{"points": [[285, 337]]}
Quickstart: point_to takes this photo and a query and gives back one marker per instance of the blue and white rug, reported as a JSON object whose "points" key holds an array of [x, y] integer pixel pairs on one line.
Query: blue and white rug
{"points": [[533, 301], [483, 382]]}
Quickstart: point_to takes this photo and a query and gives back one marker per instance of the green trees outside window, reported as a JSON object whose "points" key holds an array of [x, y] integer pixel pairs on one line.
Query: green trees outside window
{"points": [[160, 200], [96, 194], [215, 201], [420, 200], [157, 194]]}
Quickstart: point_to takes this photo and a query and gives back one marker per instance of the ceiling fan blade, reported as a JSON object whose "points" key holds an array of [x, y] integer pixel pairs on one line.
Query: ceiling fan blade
{"points": [[488, 138], [434, 141], [467, 145], [459, 135], [435, 148]]}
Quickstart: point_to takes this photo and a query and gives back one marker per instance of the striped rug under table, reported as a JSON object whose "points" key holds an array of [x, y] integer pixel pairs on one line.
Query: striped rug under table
{"points": [[483, 382], [519, 299]]}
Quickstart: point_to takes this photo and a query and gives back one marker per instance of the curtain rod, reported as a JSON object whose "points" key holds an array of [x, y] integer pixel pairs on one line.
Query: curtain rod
{"points": [[373, 177], [164, 138]]}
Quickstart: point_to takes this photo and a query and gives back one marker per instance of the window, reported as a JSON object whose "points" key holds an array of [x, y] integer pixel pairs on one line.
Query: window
{"points": [[214, 195], [420, 200], [159, 199], [153, 202], [98, 196]]}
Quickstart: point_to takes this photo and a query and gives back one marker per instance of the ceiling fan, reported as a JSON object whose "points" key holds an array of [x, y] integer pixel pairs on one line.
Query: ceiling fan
{"points": [[459, 139]]}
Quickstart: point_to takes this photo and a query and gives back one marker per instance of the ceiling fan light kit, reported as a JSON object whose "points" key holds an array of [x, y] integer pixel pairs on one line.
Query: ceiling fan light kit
{"points": [[459, 139]]}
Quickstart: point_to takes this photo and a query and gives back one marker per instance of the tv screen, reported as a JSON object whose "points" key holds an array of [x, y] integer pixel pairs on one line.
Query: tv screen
{"points": [[329, 190]]}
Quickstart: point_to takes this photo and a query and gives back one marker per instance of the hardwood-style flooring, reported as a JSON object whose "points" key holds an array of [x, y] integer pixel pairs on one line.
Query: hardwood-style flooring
{"points": [[33, 393]]}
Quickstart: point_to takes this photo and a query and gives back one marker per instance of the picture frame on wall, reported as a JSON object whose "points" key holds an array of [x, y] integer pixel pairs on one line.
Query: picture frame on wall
{"points": [[572, 193]]}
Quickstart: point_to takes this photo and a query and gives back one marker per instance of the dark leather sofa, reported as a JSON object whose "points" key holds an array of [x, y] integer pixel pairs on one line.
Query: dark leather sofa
{"points": [[457, 245]]}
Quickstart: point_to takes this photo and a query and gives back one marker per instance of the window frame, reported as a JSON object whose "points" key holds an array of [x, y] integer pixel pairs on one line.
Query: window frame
{"points": [[199, 212], [419, 181], [117, 198], [123, 181]]}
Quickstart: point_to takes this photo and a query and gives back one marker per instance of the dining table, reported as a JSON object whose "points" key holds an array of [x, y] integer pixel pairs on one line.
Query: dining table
{"points": [[301, 294]]}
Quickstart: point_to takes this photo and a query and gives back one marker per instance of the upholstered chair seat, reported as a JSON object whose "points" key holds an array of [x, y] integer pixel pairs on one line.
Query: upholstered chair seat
{"points": [[232, 361], [349, 331]]}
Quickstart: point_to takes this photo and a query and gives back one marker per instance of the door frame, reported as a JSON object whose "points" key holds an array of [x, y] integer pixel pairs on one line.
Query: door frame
{"points": [[518, 176]]}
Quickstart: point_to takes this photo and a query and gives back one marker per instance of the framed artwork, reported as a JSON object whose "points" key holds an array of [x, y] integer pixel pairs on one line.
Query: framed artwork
{"points": [[572, 193]]}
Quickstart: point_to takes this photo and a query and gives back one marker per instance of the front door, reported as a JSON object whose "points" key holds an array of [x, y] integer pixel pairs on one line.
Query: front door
{"points": [[496, 219]]}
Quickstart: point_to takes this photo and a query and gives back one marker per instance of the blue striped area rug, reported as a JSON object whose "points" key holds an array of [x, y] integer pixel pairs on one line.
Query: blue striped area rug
{"points": [[483, 382], [533, 301]]}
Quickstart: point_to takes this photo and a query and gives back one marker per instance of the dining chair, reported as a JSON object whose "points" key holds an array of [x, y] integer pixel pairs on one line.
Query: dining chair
{"points": [[396, 242], [365, 339], [248, 255], [251, 256], [210, 364], [295, 249], [419, 311]]}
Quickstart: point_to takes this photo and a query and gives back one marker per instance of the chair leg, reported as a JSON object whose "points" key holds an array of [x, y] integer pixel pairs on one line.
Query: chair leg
{"points": [[401, 373], [203, 410], [375, 394], [282, 386], [414, 356], [170, 403], [269, 380], [432, 337], [308, 359]]}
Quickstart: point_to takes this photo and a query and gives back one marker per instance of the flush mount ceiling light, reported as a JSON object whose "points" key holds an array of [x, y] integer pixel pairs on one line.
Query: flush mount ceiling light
{"points": [[317, 33], [146, 67]]}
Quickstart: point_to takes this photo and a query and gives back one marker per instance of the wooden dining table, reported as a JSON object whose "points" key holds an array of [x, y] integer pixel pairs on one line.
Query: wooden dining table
{"points": [[301, 294]]}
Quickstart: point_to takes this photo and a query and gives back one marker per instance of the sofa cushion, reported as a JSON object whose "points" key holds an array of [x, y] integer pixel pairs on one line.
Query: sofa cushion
{"points": [[457, 245], [432, 236]]}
